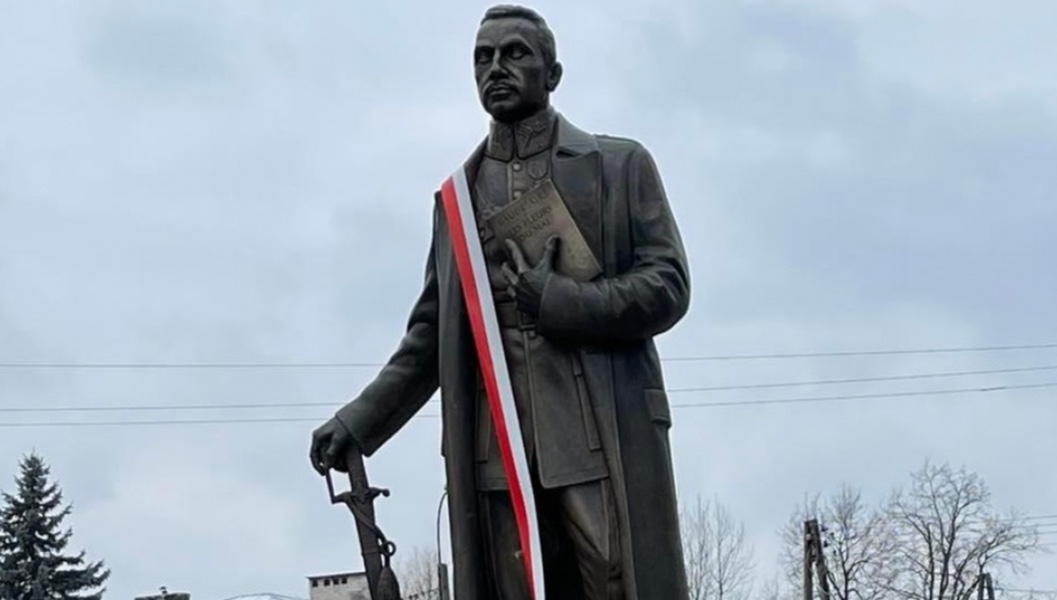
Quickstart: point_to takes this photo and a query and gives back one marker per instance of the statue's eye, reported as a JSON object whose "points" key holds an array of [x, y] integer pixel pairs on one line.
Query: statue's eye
{"points": [[482, 55], [517, 52]]}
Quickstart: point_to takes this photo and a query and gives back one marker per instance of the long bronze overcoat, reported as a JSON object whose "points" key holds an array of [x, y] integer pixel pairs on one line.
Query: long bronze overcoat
{"points": [[614, 192]]}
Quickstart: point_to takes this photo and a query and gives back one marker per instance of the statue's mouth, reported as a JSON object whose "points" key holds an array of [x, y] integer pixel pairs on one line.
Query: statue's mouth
{"points": [[499, 89]]}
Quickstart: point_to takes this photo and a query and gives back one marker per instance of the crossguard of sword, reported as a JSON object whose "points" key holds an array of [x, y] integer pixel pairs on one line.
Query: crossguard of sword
{"points": [[356, 499], [361, 496]]}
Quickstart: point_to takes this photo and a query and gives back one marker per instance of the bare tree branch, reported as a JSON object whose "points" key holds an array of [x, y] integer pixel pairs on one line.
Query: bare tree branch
{"points": [[417, 573], [929, 541], [948, 533], [719, 562]]}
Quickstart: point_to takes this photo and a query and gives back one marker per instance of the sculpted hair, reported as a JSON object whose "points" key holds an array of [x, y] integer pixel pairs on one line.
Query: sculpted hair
{"points": [[546, 37]]}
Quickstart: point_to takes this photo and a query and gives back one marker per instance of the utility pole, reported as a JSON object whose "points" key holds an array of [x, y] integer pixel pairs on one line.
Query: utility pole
{"points": [[445, 591], [820, 562], [985, 584], [815, 561], [809, 551]]}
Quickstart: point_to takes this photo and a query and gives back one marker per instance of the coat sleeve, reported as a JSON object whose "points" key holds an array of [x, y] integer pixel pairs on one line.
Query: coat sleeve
{"points": [[406, 382], [644, 301]]}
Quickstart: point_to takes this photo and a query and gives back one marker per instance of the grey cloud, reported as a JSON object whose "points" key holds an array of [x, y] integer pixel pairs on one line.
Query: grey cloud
{"points": [[932, 201], [155, 50]]}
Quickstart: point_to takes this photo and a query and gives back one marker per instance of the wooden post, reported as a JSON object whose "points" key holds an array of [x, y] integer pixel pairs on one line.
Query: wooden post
{"points": [[820, 560], [809, 563], [814, 561]]}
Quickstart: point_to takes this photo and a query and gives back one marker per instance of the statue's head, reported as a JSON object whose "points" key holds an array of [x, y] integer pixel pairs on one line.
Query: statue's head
{"points": [[515, 63]]}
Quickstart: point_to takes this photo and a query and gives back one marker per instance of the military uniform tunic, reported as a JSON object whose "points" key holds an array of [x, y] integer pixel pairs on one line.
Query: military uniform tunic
{"points": [[573, 496], [554, 410]]}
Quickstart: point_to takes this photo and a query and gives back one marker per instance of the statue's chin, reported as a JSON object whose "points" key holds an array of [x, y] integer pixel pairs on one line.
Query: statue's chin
{"points": [[507, 114], [502, 115]]}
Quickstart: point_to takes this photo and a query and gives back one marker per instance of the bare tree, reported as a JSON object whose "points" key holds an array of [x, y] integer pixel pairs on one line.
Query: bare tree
{"points": [[770, 590], [928, 542], [791, 557], [857, 543], [719, 562], [417, 574], [947, 533]]}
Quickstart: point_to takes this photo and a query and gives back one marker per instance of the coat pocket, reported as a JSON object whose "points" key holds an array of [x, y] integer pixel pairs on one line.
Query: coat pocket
{"points": [[657, 405]]}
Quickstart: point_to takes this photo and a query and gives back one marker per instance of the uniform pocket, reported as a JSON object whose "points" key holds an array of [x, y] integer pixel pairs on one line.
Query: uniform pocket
{"points": [[657, 404]]}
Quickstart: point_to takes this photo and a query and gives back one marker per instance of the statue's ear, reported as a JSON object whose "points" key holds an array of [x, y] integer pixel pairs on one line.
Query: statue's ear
{"points": [[554, 77]]}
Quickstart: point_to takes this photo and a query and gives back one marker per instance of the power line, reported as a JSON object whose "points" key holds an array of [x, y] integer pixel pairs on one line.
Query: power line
{"points": [[751, 386], [154, 407], [343, 365], [256, 406], [714, 404], [176, 422], [188, 365], [707, 404], [998, 388], [869, 353]]}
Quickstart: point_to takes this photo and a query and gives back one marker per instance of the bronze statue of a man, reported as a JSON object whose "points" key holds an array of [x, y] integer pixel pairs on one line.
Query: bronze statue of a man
{"points": [[587, 383]]}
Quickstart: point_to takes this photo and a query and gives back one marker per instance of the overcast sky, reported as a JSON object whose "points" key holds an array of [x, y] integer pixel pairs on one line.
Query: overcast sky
{"points": [[213, 180]]}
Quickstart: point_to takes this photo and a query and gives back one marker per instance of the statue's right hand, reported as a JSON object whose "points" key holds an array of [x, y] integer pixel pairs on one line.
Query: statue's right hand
{"points": [[330, 442]]}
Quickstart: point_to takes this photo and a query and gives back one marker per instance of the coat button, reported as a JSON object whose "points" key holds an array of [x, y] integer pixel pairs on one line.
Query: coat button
{"points": [[516, 166]]}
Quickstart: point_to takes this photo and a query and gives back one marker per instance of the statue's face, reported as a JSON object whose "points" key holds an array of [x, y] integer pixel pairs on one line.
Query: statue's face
{"points": [[513, 81]]}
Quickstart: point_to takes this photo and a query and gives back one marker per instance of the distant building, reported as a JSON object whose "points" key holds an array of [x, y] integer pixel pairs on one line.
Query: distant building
{"points": [[266, 596], [339, 586], [166, 596]]}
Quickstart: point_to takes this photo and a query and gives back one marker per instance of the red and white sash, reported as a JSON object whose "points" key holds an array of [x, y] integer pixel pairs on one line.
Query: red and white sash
{"points": [[477, 290]]}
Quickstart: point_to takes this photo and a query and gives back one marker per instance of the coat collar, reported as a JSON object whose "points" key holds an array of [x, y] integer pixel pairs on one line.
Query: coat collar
{"points": [[522, 139], [577, 174], [569, 142], [573, 141]]}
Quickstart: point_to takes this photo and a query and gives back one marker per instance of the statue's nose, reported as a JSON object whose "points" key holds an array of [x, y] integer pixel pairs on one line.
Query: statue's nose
{"points": [[496, 67]]}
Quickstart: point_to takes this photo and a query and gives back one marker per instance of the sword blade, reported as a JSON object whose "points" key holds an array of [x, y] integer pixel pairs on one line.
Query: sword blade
{"points": [[370, 545]]}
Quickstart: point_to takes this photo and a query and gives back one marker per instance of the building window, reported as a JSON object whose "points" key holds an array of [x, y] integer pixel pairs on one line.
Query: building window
{"points": [[344, 580], [315, 583]]}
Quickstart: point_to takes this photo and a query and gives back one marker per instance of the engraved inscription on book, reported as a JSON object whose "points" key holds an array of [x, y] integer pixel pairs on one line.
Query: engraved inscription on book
{"points": [[536, 216]]}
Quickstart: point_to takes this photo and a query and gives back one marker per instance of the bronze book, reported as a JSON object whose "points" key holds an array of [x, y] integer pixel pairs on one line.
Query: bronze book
{"points": [[536, 216]]}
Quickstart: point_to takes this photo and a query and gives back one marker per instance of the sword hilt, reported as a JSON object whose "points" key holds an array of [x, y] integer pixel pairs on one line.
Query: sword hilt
{"points": [[355, 500], [353, 495], [377, 550]]}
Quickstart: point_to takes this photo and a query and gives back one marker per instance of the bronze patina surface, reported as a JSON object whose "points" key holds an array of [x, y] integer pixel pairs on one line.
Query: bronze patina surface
{"points": [[579, 342]]}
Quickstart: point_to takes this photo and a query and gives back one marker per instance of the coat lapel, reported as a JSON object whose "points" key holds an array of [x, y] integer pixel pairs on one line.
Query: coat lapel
{"points": [[449, 280], [577, 174]]}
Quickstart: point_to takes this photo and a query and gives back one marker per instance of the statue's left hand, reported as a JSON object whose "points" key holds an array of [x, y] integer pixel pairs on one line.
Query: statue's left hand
{"points": [[526, 283]]}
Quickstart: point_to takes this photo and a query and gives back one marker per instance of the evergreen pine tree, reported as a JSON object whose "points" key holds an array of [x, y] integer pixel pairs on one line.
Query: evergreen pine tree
{"points": [[33, 565]]}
